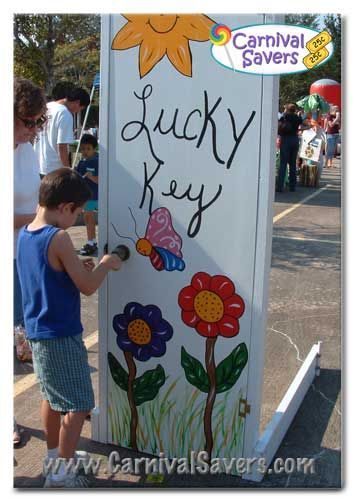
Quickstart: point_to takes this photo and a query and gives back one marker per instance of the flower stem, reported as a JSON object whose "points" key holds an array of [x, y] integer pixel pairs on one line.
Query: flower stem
{"points": [[130, 395], [211, 396]]}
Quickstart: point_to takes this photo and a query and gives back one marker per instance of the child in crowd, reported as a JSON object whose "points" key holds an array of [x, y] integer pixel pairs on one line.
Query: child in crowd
{"points": [[88, 169], [52, 277], [315, 136]]}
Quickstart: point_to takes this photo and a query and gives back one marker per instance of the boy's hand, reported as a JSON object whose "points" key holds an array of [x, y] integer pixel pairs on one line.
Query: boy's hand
{"points": [[112, 261], [88, 264]]}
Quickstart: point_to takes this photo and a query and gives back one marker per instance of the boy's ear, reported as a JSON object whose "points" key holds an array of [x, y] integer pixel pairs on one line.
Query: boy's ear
{"points": [[71, 206], [61, 207], [66, 207]]}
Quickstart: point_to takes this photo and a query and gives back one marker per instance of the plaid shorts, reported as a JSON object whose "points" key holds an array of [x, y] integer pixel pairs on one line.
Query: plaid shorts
{"points": [[61, 366]]}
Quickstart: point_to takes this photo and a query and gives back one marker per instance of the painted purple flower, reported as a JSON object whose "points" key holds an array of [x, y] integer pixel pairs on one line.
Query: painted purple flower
{"points": [[142, 331]]}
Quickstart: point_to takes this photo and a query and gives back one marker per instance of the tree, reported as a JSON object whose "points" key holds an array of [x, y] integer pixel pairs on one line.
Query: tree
{"points": [[48, 46], [77, 61], [332, 69], [295, 86], [307, 20]]}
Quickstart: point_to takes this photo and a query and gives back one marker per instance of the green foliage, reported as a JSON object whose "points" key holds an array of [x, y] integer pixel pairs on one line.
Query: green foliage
{"points": [[227, 372], [194, 371], [307, 20], [51, 47], [118, 373], [173, 424], [296, 86], [145, 387]]}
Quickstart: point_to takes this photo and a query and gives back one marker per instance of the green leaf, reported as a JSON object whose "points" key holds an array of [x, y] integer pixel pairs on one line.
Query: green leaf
{"points": [[147, 386], [194, 371], [118, 373], [228, 371]]}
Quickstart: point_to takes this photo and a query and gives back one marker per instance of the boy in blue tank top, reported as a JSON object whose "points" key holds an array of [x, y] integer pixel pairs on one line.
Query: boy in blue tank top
{"points": [[52, 277]]}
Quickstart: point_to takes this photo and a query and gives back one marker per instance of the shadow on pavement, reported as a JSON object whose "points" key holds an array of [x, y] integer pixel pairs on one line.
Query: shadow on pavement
{"points": [[289, 255]]}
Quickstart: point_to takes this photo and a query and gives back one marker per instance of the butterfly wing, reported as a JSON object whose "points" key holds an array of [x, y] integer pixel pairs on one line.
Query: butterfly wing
{"points": [[161, 233], [156, 260], [170, 261]]}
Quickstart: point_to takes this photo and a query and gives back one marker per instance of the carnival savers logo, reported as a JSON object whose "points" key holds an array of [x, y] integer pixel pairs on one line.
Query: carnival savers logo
{"points": [[270, 49]]}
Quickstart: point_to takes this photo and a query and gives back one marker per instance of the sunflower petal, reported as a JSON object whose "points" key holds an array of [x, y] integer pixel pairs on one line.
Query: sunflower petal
{"points": [[150, 55], [207, 329], [190, 318], [157, 347], [136, 18], [186, 298], [163, 331], [129, 36], [152, 315], [234, 306], [222, 286], [142, 353], [195, 27], [120, 323], [133, 310], [228, 326], [201, 281], [180, 56]]}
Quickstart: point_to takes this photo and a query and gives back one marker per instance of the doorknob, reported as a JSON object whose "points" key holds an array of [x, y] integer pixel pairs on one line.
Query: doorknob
{"points": [[122, 251]]}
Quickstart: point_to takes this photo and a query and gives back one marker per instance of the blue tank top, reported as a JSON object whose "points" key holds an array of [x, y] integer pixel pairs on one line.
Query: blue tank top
{"points": [[51, 301]]}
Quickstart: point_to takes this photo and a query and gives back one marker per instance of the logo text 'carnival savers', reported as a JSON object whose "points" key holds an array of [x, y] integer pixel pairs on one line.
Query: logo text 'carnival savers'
{"points": [[270, 49]]}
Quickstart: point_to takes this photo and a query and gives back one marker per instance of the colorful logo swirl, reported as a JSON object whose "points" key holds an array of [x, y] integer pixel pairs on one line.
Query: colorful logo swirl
{"points": [[220, 34]]}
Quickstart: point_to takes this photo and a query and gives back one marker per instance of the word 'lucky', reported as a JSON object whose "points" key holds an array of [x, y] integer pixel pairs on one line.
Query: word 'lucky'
{"points": [[181, 129]]}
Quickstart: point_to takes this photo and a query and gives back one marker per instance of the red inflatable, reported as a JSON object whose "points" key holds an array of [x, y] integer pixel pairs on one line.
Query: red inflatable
{"points": [[329, 90]]}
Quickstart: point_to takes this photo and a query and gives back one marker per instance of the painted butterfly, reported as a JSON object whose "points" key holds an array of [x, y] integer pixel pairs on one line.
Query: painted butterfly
{"points": [[161, 243]]}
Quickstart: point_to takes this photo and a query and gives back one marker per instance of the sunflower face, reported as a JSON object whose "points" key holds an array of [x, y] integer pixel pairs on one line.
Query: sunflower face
{"points": [[163, 23], [160, 35]]}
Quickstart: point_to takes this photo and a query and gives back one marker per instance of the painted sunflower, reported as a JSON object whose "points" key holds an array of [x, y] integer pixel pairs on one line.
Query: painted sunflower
{"points": [[211, 306], [142, 331], [163, 34]]}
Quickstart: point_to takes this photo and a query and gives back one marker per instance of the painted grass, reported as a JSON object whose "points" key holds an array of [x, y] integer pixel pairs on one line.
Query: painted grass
{"points": [[179, 423]]}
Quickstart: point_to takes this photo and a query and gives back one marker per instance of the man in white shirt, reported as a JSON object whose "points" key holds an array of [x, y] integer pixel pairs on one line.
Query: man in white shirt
{"points": [[52, 145]]}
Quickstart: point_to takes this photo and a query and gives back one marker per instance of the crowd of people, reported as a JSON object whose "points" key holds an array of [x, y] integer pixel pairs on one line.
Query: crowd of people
{"points": [[49, 276], [295, 129]]}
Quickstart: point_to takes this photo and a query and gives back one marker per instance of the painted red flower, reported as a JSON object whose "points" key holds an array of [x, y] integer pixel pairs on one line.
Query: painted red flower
{"points": [[211, 306]]}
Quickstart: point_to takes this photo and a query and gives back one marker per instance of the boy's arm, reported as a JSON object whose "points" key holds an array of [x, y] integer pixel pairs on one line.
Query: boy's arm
{"points": [[65, 136], [86, 281], [63, 152], [93, 178]]}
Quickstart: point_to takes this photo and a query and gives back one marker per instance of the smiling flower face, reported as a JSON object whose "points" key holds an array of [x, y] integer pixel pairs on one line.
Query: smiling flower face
{"points": [[211, 306], [142, 331], [163, 34]]}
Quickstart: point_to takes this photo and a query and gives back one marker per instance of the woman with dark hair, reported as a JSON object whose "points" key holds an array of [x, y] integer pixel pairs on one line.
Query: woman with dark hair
{"points": [[29, 117]]}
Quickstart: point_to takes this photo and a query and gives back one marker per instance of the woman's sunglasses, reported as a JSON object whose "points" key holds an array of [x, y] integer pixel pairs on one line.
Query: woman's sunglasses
{"points": [[33, 123]]}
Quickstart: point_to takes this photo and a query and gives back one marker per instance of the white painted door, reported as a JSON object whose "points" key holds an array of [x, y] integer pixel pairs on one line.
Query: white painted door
{"points": [[186, 184]]}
